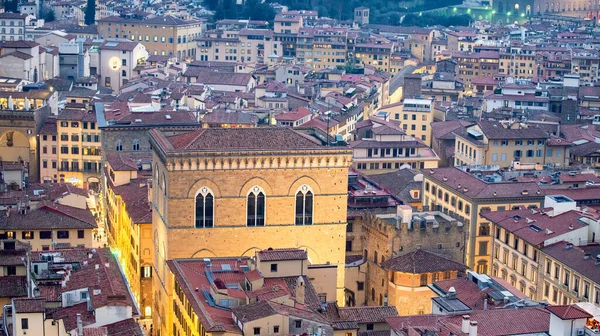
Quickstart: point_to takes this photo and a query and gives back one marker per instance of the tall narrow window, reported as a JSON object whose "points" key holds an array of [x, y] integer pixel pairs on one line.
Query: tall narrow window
{"points": [[204, 208], [119, 146], [423, 280], [304, 206], [136, 144], [256, 207]]}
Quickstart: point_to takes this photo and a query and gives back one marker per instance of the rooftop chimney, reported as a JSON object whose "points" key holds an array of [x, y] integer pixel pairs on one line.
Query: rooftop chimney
{"points": [[466, 324], [473, 329], [79, 325], [300, 290]]}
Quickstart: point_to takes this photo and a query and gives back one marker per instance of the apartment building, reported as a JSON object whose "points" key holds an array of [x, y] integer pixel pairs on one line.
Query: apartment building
{"points": [[519, 95], [381, 146], [79, 148], [414, 115], [129, 222], [443, 87], [519, 235], [69, 10], [377, 54], [322, 47], [22, 59], [12, 26], [569, 273], [585, 63], [516, 145], [288, 23], [49, 152], [161, 35], [474, 65], [49, 225], [460, 194], [117, 59], [246, 45], [519, 62]]}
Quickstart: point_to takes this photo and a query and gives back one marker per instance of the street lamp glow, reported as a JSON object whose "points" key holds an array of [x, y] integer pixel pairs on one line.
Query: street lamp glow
{"points": [[522, 14], [469, 10], [455, 9], [421, 14], [509, 13], [493, 12]]}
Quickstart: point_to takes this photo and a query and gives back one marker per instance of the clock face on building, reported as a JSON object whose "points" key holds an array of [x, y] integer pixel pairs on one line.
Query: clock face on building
{"points": [[114, 63]]}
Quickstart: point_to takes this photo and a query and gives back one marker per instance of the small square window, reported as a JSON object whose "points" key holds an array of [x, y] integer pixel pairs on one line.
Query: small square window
{"points": [[276, 329], [273, 267], [80, 234], [360, 285], [298, 323], [256, 331]]}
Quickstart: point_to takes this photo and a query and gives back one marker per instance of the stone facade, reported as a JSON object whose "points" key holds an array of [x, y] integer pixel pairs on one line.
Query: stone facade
{"points": [[21, 127], [380, 240], [230, 177]]}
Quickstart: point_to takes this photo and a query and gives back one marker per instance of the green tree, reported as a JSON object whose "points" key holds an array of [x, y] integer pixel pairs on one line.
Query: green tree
{"points": [[323, 11], [90, 12], [50, 16], [394, 19], [11, 6]]}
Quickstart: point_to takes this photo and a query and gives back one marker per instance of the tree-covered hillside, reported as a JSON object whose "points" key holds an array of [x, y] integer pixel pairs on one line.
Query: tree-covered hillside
{"points": [[382, 11]]}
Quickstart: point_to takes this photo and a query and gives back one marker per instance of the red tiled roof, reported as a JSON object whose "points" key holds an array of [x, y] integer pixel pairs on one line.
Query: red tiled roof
{"points": [[421, 261], [367, 314], [49, 215], [26, 305], [49, 127], [253, 275], [497, 322], [13, 286], [129, 327], [121, 162], [520, 222], [135, 197], [206, 77], [244, 139], [282, 254], [294, 115], [575, 258], [470, 186], [230, 118], [570, 312]]}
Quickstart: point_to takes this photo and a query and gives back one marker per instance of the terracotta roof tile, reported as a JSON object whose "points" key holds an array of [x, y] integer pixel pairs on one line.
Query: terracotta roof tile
{"points": [[570, 312], [282, 254], [49, 215], [27, 305], [367, 314], [421, 261], [248, 139], [536, 228], [581, 259], [473, 187], [13, 286]]}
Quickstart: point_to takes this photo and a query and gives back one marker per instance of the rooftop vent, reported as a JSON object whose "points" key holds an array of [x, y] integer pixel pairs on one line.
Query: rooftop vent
{"points": [[168, 116]]}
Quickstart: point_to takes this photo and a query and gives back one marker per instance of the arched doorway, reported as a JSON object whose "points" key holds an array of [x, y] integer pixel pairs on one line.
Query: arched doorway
{"points": [[500, 7], [93, 183], [15, 146]]}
